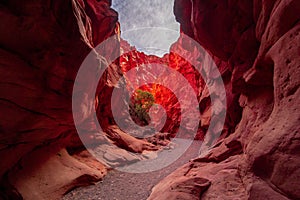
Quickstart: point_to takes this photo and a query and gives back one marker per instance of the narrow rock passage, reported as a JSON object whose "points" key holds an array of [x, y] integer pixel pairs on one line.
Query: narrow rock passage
{"points": [[119, 185]]}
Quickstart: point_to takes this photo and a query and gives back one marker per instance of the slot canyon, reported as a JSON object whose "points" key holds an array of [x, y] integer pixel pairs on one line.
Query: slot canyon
{"points": [[86, 114]]}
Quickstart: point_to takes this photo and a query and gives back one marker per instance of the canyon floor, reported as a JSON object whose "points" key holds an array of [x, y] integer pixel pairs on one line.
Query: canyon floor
{"points": [[118, 185]]}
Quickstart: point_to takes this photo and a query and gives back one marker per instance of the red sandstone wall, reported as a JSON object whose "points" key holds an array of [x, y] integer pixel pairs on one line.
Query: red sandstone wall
{"points": [[258, 43]]}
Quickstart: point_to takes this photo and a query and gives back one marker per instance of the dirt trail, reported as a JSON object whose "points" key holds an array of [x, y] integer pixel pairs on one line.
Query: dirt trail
{"points": [[118, 185]]}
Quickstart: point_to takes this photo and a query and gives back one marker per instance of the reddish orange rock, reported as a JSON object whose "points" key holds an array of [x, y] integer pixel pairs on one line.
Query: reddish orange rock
{"points": [[258, 44]]}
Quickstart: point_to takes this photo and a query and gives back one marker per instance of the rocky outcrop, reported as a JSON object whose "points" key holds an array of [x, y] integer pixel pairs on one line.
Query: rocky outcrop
{"points": [[255, 45], [43, 44], [42, 49], [258, 44], [142, 70]]}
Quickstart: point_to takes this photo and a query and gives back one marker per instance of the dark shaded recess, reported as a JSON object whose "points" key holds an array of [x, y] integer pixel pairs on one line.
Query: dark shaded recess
{"points": [[7, 191]]}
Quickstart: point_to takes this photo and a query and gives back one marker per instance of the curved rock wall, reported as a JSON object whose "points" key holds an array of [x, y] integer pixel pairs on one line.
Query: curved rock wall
{"points": [[258, 42], [255, 45], [139, 62], [42, 45]]}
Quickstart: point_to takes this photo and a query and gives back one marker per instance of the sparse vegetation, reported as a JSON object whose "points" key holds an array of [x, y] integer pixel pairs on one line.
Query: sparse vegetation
{"points": [[140, 106]]}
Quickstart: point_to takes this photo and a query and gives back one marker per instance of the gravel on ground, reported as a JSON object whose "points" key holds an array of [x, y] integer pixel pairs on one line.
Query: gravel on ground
{"points": [[117, 185]]}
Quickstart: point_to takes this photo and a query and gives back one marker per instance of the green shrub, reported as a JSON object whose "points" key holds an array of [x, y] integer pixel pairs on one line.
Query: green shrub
{"points": [[140, 106]]}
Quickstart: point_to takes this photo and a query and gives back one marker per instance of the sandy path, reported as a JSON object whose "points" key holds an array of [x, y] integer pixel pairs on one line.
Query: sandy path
{"points": [[127, 186]]}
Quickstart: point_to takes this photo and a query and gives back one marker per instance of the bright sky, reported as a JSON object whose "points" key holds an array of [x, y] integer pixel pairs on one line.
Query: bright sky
{"points": [[149, 25]]}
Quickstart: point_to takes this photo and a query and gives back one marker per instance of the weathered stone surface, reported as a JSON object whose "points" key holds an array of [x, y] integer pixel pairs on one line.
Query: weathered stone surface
{"points": [[182, 52], [50, 172], [205, 180], [255, 44], [43, 44], [265, 78]]}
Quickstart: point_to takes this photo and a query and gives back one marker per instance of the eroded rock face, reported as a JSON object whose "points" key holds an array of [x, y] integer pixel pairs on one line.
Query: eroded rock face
{"points": [[258, 42], [43, 44], [255, 45], [182, 52], [42, 49]]}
